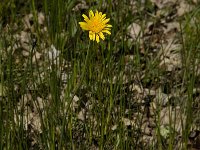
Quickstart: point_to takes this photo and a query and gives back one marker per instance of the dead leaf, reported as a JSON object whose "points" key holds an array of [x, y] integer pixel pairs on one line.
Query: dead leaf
{"points": [[183, 8], [134, 31]]}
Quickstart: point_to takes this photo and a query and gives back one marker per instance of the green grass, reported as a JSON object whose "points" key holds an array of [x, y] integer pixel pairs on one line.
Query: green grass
{"points": [[96, 96]]}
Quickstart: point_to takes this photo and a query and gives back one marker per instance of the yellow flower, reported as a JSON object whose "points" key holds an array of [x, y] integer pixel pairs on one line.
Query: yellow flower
{"points": [[96, 24]]}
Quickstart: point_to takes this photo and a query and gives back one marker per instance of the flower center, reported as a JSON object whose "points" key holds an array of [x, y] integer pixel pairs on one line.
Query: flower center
{"points": [[95, 25]]}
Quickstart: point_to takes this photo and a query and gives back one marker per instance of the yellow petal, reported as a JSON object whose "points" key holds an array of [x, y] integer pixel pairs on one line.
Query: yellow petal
{"points": [[103, 16], [91, 14], [108, 26], [106, 31], [93, 36], [101, 36], [84, 25], [90, 35], [97, 13], [105, 21], [85, 18], [97, 38]]}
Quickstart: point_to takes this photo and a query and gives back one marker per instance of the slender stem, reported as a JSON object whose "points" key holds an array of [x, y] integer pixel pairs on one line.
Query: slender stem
{"points": [[82, 75]]}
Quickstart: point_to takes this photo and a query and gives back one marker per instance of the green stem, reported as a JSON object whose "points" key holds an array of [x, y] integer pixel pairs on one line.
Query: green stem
{"points": [[82, 76]]}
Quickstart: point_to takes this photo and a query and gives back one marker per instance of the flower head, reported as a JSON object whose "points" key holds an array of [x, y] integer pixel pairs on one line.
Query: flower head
{"points": [[96, 24]]}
